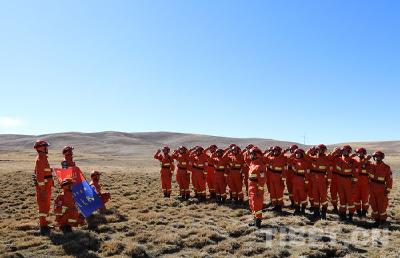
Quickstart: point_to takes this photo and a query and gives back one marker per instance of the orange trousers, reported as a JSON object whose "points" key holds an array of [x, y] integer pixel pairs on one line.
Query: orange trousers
{"points": [[276, 188], [310, 191], [299, 190], [334, 189], [166, 180], [236, 184], [345, 190], [43, 199], [183, 180], [289, 184], [320, 191], [256, 199], [220, 184], [361, 193], [210, 179], [199, 182], [379, 201]]}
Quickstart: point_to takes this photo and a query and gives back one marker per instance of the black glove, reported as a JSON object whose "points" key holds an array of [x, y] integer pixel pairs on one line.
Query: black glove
{"points": [[34, 179]]}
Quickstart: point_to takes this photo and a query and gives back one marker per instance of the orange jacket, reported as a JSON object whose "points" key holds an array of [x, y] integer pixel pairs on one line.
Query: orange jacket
{"points": [[236, 162], [42, 170], [257, 171], [276, 164], [198, 162], [221, 164], [301, 167], [182, 159], [347, 167], [322, 164], [68, 162], [382, 174], [167, 161], [363, 166]]}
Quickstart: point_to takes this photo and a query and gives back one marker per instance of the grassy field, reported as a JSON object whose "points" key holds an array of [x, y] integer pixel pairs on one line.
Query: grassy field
{"points": [[139, 223]]}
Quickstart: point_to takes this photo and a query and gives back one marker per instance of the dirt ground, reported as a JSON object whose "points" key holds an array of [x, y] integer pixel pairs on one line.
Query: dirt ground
{"points": [[140, 223]]}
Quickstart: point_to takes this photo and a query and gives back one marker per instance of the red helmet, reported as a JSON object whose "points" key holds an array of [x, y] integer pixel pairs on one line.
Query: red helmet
{"points": [[213, 146], [166, 148], [293, 147], [361, 151], [379, 154], [95, 173], [182, 148], [300, 151], [199, 148], [67, 181], [255, 150], [250, 146], [322, 147], [277, 148], [219, 151], [40, 143], [348, 148], [236, 148], [67, 149]]}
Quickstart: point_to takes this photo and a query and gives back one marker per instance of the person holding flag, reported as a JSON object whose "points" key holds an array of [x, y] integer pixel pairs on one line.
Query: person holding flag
{"points": [[95, 183], [67, 215]]}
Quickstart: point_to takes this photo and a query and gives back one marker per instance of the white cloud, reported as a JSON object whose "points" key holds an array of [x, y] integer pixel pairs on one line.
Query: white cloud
{"points": [[11, 122]]}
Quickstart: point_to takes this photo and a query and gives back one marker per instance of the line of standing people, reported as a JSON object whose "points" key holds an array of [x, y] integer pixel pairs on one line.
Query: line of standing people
{"points": [[351, 181]]}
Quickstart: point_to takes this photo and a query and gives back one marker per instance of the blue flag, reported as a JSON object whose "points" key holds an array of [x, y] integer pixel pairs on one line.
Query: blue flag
{"points": [[86, 199]]}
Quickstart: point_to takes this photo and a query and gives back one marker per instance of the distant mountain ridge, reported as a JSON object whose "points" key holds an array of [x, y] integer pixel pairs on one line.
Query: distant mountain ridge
{"points": [[144, 143]]}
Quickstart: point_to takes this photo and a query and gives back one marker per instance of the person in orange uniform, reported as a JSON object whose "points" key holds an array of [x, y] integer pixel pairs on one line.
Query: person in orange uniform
{"points": [[310, 154], [67, 215], [361, 190], [335, 157], [346, 182], [167, 168], [257, 178], [211, 171], [182, 175], [301, 176], [68, 157], [43, 181], [95, 183], [276, 171], [381, 183], [198, 161], [321, 169], [289, 153], [236, 176], [245, 169], [221, 164]]}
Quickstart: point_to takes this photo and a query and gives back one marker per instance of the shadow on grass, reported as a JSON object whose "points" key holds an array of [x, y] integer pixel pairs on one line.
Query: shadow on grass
{"points": [[78, 243]]}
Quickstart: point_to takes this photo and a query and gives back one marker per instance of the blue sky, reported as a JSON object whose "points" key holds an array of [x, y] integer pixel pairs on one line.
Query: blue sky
{"points": [[272, 69]]}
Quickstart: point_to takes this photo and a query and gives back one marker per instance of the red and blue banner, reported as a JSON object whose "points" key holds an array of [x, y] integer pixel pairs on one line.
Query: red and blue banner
{"points": [[86, 199]]}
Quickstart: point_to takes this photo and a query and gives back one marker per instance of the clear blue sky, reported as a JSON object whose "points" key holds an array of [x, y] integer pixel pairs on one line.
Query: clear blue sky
{"points": [[274, 69]]}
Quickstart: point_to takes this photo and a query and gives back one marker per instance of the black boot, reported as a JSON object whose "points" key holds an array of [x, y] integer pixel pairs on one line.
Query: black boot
{"points": [[66, 229], [279, 209], [44, 231], [223, 200], [359, 213], [342, 215], [303, 209], [213, 196], [317, 213], [292, 204], [165, 195], [258, 223], [335, 210], [297, 210], [350, 218], [323, 213], [253, 223], [364, 214]]}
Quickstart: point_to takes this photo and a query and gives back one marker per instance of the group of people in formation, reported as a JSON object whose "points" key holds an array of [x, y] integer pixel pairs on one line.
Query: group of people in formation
{"points": [[354, 181], [67, 215]]}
